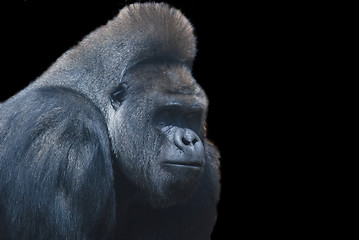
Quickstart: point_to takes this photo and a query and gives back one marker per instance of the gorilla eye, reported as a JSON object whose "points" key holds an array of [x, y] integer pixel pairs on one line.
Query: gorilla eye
{"points": [[190, 116], [166, 114], [118, 96], [193, 120], [165, 117], [119, 93]]}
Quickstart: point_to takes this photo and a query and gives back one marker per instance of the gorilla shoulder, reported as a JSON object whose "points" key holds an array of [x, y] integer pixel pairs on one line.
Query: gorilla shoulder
{"points": [[61, 143]]}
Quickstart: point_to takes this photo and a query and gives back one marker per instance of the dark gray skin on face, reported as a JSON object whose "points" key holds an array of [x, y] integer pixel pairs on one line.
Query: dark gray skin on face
{"points": [[110, 142], [167, 98]]}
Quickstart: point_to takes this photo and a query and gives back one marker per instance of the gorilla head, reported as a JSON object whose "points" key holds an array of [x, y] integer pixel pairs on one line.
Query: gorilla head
{"points": [[159, 105], [137, 70], [115, 127]]}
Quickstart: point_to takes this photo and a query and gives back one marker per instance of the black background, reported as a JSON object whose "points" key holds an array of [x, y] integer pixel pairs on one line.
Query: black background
{"points": [[242, 64]]}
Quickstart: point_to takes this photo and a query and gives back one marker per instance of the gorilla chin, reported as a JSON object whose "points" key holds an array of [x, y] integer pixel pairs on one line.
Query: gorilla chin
{"points": [[182, 174], [182, 182]]}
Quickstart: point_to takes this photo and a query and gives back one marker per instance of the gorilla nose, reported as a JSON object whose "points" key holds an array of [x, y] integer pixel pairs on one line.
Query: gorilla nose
{"points": [[184, 138]]}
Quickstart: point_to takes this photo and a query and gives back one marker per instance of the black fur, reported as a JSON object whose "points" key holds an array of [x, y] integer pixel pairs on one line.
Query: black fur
{"points": [[110, 142]]}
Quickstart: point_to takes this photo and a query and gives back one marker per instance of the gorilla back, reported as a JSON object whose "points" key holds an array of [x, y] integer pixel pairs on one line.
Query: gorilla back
{"points": [[110, 142]]}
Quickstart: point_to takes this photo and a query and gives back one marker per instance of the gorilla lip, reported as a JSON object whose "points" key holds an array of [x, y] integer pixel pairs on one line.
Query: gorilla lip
{"points": [[183, 164]]}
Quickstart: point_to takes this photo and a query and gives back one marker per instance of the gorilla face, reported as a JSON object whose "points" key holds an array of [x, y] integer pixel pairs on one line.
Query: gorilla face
{"points": [[156, 127]]}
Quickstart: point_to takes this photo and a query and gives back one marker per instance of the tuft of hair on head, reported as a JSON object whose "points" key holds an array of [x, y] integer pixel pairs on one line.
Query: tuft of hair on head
{"points": [[140, 32], [154, 31]]}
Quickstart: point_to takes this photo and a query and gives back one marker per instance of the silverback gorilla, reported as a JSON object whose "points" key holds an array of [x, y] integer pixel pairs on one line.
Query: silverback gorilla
{"points": [[110, 142]]}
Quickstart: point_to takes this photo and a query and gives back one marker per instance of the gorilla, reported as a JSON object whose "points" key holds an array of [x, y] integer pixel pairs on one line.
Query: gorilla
{"points": [[110, 142]]}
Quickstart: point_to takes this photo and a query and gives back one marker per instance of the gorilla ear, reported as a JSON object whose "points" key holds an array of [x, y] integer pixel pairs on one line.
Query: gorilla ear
{"points": [[118, 95]]}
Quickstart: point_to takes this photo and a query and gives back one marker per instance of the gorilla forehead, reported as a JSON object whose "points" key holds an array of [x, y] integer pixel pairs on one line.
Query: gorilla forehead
{"points": [[170, 79]]}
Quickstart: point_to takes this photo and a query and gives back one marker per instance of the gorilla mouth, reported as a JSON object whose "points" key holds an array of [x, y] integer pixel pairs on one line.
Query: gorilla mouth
{"points": [[188, 164]]}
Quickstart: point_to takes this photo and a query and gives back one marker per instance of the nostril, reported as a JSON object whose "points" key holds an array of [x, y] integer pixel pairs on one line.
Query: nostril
{"points": [[189, 139], [185, 138], [185, 141]]}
